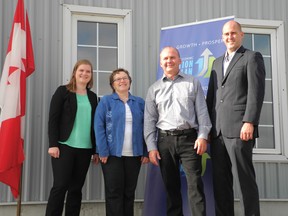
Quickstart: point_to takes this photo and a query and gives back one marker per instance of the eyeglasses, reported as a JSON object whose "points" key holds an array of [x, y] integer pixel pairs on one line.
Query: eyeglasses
{"points": [[119, 79]]}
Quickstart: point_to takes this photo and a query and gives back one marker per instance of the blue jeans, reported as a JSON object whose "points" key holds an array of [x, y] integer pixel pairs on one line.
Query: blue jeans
{"points": [[176, 150]]}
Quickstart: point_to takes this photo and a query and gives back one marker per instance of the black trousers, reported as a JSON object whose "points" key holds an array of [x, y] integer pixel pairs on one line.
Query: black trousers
{"points": [[120, 176], [232, 158], [176, 150], [69, 172]]}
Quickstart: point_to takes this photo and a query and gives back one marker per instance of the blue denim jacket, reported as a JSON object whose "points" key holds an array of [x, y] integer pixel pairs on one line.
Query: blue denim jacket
{"points": [[109, 125]]}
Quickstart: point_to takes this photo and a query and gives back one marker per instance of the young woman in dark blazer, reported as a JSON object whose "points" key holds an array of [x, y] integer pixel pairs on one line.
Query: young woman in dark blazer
{"points": [[71, 139]]}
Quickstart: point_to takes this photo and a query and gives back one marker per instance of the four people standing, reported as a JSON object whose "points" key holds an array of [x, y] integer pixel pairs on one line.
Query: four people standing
{"points": [[235, 97], [119, 136], [176, 128]]}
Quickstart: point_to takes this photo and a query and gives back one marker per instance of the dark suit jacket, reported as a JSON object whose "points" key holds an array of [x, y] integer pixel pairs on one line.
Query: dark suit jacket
{"points": [[237, 97], [63, 108]]}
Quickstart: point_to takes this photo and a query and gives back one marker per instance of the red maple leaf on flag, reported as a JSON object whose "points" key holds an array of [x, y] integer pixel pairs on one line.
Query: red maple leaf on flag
{"points": [[19, 64]]}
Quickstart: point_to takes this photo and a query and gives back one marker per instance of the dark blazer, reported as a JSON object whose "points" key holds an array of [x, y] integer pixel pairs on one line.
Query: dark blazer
{"points": [[237, 97], [63, 108]]}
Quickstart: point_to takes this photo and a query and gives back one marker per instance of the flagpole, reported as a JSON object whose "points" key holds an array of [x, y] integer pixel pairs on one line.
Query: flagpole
{"points": [[19, 200]]}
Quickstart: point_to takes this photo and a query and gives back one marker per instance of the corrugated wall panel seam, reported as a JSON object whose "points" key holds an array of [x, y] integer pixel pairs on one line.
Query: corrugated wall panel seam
{"points": [[145, 23], [278, 179], [44, 68], [284, 179]]}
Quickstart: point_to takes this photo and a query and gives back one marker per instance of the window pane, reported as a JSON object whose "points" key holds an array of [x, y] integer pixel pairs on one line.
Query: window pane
{"points": [[262, 44], [86, 33], [95, 81], [247, 41], [107, 59], [266, 138], [107, 34], [267, 62], [104, 86], [266, 117], [88, 53], [268, 91], [98, 42]]}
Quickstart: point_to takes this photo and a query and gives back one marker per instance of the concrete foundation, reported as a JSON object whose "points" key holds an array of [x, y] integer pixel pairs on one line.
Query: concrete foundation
{"points": [[97, 208]]}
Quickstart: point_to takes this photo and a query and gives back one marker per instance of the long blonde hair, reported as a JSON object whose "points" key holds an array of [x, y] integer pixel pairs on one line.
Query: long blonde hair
{"points": [[71, 86]]}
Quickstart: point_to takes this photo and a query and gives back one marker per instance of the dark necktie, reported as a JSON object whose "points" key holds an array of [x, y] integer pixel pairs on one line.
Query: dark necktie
{"points": [[227, 58]]}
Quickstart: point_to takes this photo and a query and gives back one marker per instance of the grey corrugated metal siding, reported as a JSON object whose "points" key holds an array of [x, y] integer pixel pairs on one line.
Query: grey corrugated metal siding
{"points": [[148, 16]]}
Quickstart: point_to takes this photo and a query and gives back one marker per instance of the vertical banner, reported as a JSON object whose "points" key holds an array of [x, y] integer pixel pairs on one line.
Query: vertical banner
{"points": [[198, 44], [18, 65]]}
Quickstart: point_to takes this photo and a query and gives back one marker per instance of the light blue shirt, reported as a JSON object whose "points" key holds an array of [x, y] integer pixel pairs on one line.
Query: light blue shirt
{"points": [[175, 105]]}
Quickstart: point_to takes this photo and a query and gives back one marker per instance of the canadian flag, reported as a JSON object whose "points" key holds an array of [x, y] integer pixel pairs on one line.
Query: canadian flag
{"points": [[19, 64]]}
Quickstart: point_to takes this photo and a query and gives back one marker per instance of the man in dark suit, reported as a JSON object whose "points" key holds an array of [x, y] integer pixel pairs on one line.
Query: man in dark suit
{"points": [[235, 97]]}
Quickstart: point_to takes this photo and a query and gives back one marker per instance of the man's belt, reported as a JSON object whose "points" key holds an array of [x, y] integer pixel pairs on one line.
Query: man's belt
{"points": [[190, 131]]}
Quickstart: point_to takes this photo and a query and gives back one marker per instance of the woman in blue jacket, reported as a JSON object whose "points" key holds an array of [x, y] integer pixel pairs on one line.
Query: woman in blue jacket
{"points": [[118, 127], [71, 139]]}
